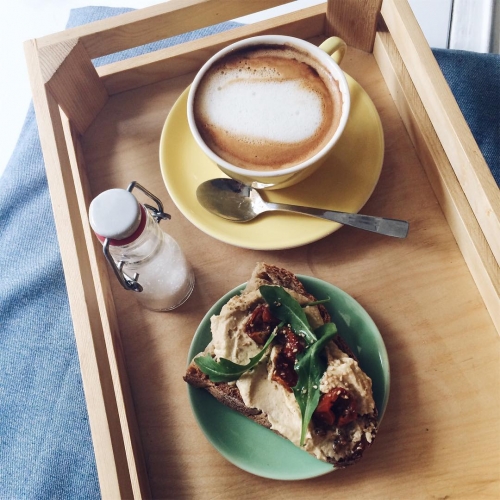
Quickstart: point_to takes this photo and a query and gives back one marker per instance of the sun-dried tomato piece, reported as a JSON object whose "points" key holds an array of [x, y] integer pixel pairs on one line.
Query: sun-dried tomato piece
{"points": [[261, 324], [336, 408], [284, 373], [292, 343], [284, 366]]}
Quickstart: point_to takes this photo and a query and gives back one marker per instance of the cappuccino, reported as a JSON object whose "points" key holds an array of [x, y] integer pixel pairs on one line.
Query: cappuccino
{"points": [[267, 107]]}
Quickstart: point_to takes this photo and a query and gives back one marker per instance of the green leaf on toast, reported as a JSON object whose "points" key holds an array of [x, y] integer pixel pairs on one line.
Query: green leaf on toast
{"points": [[316, 302], [284, 307], [310, 367], [225, 370]]}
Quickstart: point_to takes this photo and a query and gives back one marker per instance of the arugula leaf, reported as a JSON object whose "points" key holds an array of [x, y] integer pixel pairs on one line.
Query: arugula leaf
{"points": [[310, 367], [225, 370], [316, 302], [284, 307]]}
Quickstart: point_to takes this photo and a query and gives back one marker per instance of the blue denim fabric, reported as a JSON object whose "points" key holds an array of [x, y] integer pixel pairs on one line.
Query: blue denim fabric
{"points": [[45, 443], [474, 80]]}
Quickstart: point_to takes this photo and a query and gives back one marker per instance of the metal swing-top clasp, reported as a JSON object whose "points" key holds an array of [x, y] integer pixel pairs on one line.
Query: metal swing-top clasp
{"points": [[131, 283], [158, 214]]}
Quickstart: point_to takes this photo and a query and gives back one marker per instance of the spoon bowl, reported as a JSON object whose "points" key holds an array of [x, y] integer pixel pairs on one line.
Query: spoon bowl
{"points": [[229, 199], [238, 202]]}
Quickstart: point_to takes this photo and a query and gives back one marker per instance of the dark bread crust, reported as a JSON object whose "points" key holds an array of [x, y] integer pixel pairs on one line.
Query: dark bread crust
{"points": [[228, 393], [274, 275], [266, 274], [225, 393]]}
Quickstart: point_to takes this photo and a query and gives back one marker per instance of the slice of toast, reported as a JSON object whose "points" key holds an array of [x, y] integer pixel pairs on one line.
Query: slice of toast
{"points": [[340, 444]]}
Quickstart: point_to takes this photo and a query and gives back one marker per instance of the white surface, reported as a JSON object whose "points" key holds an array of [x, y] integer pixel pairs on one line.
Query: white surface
{"points": [[25, 19], [472, 26], [434, 17]]}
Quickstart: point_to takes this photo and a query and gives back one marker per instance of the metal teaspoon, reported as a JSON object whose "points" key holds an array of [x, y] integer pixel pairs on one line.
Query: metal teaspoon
{"points": [[238, 202]]}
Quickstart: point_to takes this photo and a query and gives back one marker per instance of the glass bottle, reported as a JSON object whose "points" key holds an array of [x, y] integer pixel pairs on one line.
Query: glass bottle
{"points": [[145, 259]]}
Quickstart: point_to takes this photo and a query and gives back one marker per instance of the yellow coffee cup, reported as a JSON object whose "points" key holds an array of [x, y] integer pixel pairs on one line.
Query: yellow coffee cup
{"points": [[269, 109]]}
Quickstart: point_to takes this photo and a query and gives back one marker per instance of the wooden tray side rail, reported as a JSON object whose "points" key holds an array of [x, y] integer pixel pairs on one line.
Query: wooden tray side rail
{"points": [[69, 93], [132, 478], [118, 459], [89, 332], [188, 57], [454, 134], [154, 23], [444, 143]]}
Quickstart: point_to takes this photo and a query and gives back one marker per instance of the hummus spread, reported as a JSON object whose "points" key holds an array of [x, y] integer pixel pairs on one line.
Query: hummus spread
{"points": [[258, 390]]}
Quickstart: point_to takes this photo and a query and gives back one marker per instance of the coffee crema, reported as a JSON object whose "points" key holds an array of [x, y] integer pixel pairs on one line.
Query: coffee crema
{"points": [[267, 107]]}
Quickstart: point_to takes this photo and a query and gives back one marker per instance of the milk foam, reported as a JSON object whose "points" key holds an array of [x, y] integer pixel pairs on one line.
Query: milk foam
{"points": [[285, 112], [267, 107]]}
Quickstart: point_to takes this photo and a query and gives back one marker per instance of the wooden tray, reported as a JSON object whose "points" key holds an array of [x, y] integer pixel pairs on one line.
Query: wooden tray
{"points": [[434, 296]]}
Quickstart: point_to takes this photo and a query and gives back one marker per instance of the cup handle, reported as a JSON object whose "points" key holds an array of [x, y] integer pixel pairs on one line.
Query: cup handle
{"points": [[335, 47]]}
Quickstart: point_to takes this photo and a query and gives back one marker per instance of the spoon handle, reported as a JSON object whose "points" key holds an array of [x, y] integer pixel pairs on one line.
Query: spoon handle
{"points": [[380, 225]]}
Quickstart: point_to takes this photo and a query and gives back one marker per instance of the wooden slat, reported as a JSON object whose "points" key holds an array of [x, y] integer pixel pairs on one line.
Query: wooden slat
{"points": [[188, 57], [104, 423], [473, 245], [72, 79], [355, 21], [465, 157], [150, 24], [125, 407]]}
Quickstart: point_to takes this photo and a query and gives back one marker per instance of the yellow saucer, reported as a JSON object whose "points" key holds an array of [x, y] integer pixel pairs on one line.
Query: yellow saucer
{"points": [[344, 182]]}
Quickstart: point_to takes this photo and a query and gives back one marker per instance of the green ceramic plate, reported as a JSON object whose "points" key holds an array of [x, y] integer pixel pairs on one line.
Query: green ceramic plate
{"points": [[259, 451]]}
